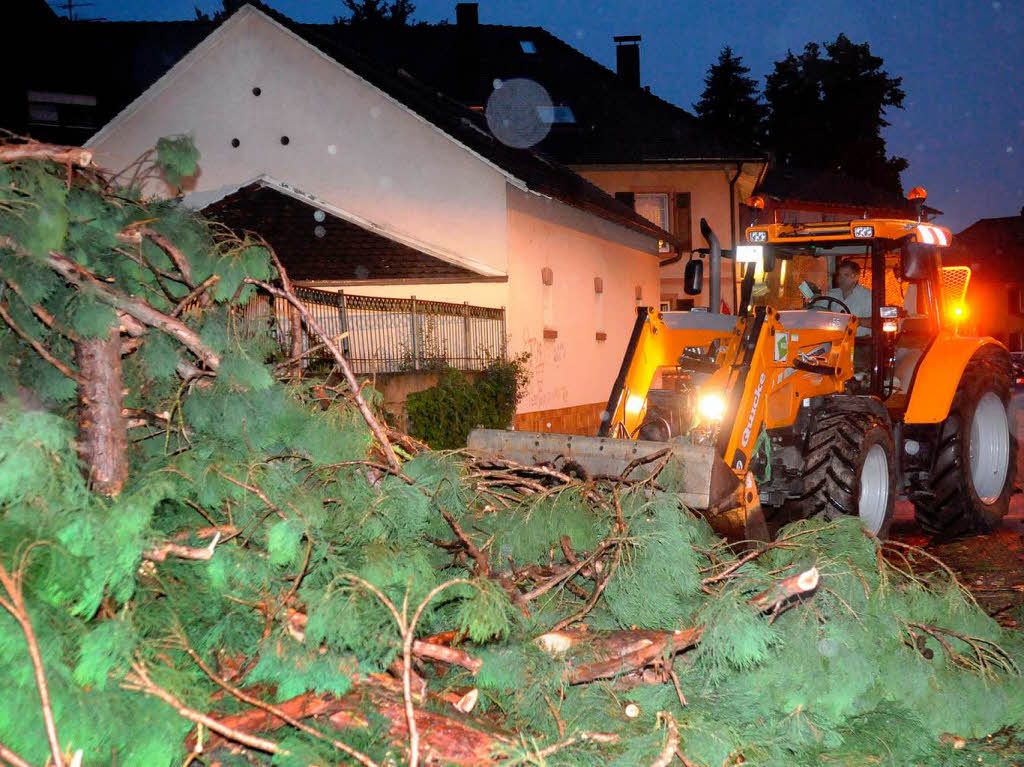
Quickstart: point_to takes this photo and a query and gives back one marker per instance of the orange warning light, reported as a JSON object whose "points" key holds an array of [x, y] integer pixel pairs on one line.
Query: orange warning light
{"points": [[756, 202], [917, 193]]}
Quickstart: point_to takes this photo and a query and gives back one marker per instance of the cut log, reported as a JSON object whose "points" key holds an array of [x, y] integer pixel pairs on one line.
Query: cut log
{"points": [[102, 430], [454, 738]]}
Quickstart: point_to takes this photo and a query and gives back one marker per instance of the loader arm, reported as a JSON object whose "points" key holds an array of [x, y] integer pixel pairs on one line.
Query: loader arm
{"points": [[657, 340]]}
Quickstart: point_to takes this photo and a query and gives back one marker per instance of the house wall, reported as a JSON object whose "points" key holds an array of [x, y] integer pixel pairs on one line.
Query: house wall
{"points": [[348, 144], [708, 187], [997, 309], [571, 371], [355, 149]]}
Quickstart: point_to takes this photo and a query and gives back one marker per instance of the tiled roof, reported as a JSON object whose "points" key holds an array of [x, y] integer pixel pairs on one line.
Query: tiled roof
{"points": [[316, 246], [615, 122], [122, 59]]}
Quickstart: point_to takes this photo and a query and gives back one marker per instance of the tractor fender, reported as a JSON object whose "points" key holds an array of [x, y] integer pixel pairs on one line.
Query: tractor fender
{"points": [[939, 373]]}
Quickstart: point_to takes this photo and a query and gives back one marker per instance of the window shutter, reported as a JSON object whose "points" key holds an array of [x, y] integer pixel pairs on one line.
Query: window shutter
{"points": [[682, 219], [626, 198]]}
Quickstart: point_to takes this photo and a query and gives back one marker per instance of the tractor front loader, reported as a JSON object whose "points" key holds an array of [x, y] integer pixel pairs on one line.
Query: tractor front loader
{"points": [[796, 407]]}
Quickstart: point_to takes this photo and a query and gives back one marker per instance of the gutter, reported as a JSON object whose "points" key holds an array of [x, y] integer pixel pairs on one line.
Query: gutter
{"points": [[732, 229]]}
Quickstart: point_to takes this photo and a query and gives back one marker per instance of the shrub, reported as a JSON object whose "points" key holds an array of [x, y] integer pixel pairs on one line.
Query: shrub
{"points": [[443, 415]]}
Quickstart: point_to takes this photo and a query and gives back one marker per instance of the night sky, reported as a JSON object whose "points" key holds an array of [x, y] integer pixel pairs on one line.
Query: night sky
{"points": [[962, 63]]}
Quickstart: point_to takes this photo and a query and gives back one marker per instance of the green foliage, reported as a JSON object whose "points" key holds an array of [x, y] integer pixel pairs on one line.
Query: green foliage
{"points": [[177, 157], [312, 525], [730, 105], [443, 415], [844, 94]]}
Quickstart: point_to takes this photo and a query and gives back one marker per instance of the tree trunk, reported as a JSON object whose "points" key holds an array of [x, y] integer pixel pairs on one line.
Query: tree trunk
{"points": [[102, 430]]}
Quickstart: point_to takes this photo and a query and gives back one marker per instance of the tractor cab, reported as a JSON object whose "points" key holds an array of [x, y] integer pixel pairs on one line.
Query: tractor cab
{"points": [[900, 293]]}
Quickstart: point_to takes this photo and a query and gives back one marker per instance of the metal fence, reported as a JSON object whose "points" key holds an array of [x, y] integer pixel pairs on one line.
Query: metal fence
{"points": [[389, 335]]}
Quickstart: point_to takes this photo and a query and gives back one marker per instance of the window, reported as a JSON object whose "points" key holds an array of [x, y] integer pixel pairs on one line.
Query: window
{"points": [[70, 110], [556, 114], [1016, 342], [527, 46], [654, 207], [681, 225]]}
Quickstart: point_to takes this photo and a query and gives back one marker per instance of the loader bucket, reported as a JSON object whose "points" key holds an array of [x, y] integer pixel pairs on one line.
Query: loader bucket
{"points": [[703, 481]]}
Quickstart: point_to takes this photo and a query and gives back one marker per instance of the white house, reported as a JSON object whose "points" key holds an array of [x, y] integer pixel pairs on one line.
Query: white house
{"points": [[270, 106]]}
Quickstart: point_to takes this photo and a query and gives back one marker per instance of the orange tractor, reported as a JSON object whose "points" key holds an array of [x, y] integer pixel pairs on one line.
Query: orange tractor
{"points": [[797, 407]]}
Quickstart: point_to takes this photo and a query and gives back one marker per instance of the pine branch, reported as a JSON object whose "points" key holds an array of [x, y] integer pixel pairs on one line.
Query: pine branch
{"points": [[15, 605], [41, 350], [139, 680], [12, 758], [272, 709], [198, 290], [289, 295], [668, 752], [44, 316], [137, 308], [65, 155], [164, 550]]}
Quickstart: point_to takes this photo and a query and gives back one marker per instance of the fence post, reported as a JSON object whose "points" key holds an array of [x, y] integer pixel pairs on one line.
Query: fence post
{"points": [[466, 350], [343, 316], [415, 339], [504, 341]]}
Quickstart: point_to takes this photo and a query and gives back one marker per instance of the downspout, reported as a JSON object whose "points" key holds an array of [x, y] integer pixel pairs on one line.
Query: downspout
{"points": [[732, 233]]}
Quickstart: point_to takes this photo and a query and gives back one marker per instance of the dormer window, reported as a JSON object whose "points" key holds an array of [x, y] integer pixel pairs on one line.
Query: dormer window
{"points": [[527, 46], [557, 114]]}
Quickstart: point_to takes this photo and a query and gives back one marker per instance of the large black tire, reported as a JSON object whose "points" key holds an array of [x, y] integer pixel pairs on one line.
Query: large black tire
{"points": [[849, 469], [955, 502]]}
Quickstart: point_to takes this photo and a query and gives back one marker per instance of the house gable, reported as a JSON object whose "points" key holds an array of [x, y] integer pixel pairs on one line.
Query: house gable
{"points": [[259, 101]]}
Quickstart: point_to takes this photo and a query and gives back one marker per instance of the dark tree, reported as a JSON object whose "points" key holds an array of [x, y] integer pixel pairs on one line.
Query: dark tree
{"points": [[378, 12], [827, 112], [730, 105]]}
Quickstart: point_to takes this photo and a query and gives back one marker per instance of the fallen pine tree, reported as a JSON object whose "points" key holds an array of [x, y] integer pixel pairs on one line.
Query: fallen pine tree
{"points": [[206, 559]]}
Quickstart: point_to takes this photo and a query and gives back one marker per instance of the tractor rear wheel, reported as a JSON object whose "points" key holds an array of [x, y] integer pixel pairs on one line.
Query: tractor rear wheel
{"points": [[849, 470], [969, 488]]}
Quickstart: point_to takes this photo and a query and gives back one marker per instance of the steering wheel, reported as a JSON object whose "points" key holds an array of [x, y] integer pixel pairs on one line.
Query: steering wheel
{"points": [[828, 300]]}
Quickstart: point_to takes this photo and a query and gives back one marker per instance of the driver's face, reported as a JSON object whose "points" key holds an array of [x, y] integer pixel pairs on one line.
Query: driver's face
{"points": [[846, 279]]}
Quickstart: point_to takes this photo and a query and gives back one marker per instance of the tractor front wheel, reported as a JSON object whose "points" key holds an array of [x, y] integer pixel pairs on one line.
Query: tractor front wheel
{"points": [[849, 470], [969, 489]]}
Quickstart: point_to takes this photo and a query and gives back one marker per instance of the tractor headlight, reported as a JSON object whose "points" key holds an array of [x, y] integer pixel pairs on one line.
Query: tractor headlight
{"points": [[863, 231], [758, 235], [711, 406]]}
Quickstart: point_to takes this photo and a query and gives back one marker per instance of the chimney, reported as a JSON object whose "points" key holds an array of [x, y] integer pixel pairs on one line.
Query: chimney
{"points": [[627, 59], [467, 53]]}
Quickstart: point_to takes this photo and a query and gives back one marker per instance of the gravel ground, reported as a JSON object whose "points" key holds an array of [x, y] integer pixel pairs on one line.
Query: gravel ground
{"points": [[991, 566]]}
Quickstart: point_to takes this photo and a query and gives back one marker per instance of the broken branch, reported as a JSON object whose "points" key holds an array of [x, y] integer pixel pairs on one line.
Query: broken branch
{"points": [[312, 324], [136, 307], [41, 350], [65, 155], [201, 553], [15, 605]]}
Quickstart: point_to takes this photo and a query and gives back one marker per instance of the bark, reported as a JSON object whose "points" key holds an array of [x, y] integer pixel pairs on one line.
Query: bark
{"points": [[102, 430], [134, 307], [617, 652], [452, 738], [66, 155]]}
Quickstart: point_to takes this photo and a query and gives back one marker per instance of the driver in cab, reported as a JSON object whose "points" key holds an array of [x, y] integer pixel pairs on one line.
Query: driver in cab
{"points": [[853, 294]]}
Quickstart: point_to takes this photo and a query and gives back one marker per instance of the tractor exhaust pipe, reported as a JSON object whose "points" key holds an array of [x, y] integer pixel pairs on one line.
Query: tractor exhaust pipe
{"points": [[715, 267]]}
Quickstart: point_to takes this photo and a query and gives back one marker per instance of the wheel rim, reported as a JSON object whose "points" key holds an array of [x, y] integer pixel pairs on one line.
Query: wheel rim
{"points": [[989, 448], [874, 488]]}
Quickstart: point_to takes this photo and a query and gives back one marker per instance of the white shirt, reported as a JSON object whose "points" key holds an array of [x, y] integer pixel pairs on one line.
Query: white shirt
{"points": [[859, 302]]}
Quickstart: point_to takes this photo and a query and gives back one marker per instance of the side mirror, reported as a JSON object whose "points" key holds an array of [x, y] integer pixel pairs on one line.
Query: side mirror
{"points": [[693, 277], [919, 261], [768, 259]]}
